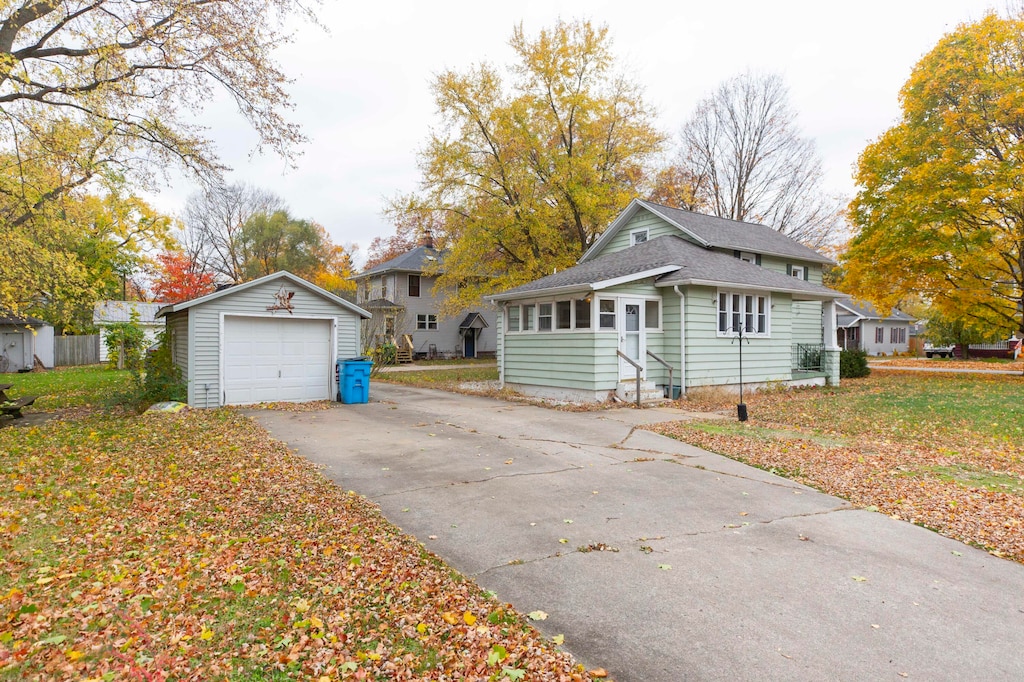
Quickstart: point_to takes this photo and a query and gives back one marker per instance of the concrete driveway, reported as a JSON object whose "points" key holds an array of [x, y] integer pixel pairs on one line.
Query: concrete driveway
{"points": [[659, 561]]}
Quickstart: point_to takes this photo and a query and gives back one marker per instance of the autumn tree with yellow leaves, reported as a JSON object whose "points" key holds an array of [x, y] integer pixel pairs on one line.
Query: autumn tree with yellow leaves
{"points": [[97, 89], [531, 162], [940, 207]]}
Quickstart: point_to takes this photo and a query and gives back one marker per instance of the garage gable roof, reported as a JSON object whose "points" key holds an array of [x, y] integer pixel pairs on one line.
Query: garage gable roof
{"points": [[281, 274]]}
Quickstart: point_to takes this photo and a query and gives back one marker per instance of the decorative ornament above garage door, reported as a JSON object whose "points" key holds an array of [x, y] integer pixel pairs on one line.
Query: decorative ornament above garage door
{"points": [[284, 300]]}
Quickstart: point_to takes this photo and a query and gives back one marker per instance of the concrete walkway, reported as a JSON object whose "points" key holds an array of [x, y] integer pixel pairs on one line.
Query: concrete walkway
{"points": [[662, 562]]}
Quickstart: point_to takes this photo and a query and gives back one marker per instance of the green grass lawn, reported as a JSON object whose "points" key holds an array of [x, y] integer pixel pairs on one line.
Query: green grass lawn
{"points": [[942, 450], [194, 546], [931, 408], [91, 385], [445, 379]]}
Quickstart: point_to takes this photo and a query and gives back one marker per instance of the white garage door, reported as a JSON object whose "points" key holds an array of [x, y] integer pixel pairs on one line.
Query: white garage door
{"points": [[276, 359]]}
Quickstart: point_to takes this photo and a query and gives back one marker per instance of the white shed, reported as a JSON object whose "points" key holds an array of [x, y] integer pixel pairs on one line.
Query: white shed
{"points": [[105, 313], [274, 339], [22, 341]]}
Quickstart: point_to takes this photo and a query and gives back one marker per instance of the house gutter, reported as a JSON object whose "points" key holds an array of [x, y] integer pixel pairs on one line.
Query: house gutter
{"points": [[682, 343]]}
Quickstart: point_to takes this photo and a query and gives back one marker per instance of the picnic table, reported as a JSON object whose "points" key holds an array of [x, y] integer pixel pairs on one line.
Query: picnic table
{"points": [[13, 406]]}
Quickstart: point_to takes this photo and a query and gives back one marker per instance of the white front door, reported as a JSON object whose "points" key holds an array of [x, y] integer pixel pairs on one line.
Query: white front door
{"points": [[632, 341]]}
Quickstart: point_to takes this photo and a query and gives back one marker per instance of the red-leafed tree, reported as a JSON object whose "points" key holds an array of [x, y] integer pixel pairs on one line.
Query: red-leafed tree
{"points": [[178, 278]]}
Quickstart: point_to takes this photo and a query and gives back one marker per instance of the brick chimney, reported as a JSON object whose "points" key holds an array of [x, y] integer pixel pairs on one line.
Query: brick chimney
{"points": [[427, 238]]}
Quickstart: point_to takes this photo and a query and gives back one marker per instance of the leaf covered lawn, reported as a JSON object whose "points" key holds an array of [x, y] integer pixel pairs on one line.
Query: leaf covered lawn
{"points": [[193, 546], [942, 451]]}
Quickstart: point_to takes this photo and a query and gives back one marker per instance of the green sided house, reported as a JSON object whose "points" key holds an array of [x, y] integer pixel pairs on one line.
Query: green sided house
{"points": [[668, 288], [274, 339]]}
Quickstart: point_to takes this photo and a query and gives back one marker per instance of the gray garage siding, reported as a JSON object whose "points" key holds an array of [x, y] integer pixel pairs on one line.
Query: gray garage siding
{"points": [[204, 385]]}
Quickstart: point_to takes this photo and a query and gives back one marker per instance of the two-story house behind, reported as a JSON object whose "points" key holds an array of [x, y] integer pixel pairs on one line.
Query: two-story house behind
{"points": [[663, 286], [402, 296]]}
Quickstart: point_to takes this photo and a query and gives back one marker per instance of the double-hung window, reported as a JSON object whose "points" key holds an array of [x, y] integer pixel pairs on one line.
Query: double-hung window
{"points": [[606, 309], [544, 317], [414, 286], [879, 334], [513, 318], [742, 312]]}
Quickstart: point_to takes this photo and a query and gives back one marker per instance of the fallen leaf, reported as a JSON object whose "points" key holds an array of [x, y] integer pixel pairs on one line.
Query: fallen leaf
{"points": [[665, 567], [859, 578], [558, 639], [598, 672], [537, 615], [468, 618]]}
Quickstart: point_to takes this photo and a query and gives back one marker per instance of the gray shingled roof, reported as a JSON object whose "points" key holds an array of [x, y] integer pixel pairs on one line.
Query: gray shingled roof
{"points": [[415, 260], [733, 234], [694, 265], [7, 318], [380, 303], [866, 310], [121, 311], [846, 320]]}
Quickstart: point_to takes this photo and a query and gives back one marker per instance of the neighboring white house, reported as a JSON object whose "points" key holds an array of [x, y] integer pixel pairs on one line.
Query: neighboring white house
{"points": [[861, 326], [274, 339], [680, 286], [105, 313], [400, 294], [22, 340]]}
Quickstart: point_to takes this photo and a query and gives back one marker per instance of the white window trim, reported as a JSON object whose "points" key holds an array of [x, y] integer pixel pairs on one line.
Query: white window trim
{"points": [[536, 303], [595, 315], [742, 294], [646, 232], [748, 257], [798, 271], [426, 321], [661, 314], [617, 312]]}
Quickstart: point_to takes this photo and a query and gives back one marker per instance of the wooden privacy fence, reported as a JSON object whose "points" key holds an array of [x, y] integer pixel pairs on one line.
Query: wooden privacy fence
{"points": [[76, 350]]}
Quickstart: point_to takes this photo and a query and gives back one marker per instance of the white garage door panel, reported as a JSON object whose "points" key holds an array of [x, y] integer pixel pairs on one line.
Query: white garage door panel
{"points": [[274, 359]]}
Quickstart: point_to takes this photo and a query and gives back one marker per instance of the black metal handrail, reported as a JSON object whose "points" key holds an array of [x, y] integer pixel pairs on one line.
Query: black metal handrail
{"points": [[808, 357]]}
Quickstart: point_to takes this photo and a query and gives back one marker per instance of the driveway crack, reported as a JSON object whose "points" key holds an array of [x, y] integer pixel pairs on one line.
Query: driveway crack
{"points": [[518, 562], [480, 480]]}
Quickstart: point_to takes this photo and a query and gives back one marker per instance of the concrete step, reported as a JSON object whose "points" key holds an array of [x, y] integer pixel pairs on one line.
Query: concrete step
{"points": [[649, 392]]}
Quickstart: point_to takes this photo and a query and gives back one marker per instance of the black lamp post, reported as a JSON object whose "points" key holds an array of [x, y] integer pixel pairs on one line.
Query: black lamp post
{"points": [[741, 408]]}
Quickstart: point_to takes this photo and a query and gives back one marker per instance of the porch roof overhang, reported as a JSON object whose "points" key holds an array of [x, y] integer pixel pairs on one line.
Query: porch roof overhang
{"points": [[540, 293], [382, 304], [473, 320]]}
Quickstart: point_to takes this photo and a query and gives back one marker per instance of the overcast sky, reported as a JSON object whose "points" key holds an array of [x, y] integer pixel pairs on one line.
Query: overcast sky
{"points": [[362, 89]]}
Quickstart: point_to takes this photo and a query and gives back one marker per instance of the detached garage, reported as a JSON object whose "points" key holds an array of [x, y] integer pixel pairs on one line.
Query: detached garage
{"points": [[274, 339]]}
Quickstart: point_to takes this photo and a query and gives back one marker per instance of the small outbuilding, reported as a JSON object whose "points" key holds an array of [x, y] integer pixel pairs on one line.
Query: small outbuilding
{"points": [[106, 313], [23, 340], [274, 339]]}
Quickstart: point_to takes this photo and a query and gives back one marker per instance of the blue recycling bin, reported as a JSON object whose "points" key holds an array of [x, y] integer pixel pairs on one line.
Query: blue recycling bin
{"points": [[354, 380]]}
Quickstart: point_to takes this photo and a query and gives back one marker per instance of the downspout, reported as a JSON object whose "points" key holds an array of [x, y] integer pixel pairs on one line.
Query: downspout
{"points": [[682, 342], [504, 338]]}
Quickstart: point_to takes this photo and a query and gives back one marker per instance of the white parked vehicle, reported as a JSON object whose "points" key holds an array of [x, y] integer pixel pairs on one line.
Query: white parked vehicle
{"points": [[941, 351]]}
